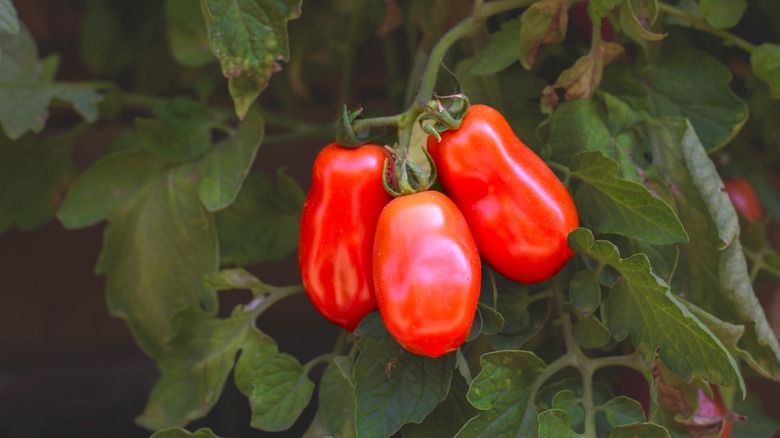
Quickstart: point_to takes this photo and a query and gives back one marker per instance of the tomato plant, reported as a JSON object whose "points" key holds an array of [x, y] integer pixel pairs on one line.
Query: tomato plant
{"points": [[224, 165], [427, 273], [338, 222], [518, 210]]}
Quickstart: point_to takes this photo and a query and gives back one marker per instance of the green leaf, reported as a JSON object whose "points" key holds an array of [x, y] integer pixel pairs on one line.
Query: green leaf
{"points": [[712, 271], [585, 291], [9, 20], [487, 321], [612, 205], [195, 369], [500, 51], [503, 392], [187, 35], [181, 132], [25, 93], [262, 224], [34, 174], [237, 278], [447, 417], [601, 8], [694, 85], [280, 390], [759, 424], [524, 317], [337, 402], [566, 402], [589, 332], [158, 246], [636, 19], [107, 186], [257, 346], [641, 305], [722, 14], [645, 430], [224, 169], [765, 61], [553, 422], [177, 432], [249, 38], [544, 22], [623, 410], [394, 387]]}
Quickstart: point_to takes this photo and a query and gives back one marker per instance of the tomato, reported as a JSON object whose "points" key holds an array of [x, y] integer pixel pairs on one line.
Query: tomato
{"points": [[337, 231], [426, 273], [519, 211], [744, 198], [714, 408]]}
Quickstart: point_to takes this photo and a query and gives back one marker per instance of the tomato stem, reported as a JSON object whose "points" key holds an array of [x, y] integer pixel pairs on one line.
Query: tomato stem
{"points": [[323, 358], [729, 39]]}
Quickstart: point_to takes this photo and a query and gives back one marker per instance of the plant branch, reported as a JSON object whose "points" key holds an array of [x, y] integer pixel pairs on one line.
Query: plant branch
{"points": [[728, 38]]}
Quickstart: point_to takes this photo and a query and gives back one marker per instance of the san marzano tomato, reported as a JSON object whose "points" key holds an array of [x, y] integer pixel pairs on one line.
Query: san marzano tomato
{"points": [[337, 231], [426, 273], [519, 211]]}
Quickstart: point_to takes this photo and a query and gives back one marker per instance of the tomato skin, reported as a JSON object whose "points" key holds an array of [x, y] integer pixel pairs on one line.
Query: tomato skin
{"points": [[744, 198], [427, 273], [337, 231], [519, 211]]}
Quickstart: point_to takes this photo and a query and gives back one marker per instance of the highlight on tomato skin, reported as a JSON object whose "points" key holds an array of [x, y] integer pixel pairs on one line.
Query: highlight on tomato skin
{"points": [[427, 273], [518, 210], [337, 231], [744, 198]]}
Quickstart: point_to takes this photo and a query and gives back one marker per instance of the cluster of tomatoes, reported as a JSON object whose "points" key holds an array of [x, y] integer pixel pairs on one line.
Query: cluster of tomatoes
{"points": [[417, 258]]}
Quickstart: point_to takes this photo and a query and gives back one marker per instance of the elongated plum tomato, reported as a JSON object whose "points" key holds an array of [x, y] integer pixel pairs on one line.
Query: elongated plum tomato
{"points": [[337, 231], [426, 273], [519, 211], [744, 198]]}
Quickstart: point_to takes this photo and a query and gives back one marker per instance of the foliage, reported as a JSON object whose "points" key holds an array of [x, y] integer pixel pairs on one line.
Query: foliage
{"points": [[642, 129]]}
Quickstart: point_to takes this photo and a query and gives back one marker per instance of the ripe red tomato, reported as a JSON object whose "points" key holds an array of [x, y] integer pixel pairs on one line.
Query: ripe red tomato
{"points": [[337, 231], [519, 211], [714, 408], [426, 273], [744, 198]]}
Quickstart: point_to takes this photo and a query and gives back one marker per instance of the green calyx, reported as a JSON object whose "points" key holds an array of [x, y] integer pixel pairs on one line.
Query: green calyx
{"points": [[408, 177], [445, 117]]}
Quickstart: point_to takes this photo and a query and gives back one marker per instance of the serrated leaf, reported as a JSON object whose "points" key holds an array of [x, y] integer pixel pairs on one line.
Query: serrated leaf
{"points": [[692, 84], [195, 369], [589, 332], [503, 393], [500, 51], [9, 19], [177, 432], [613, 205], [262, 224], [337, 402], [181, 131], [25, 93], [249, 38], [712, 268], [158, 246], [544, 22], [447, 417], [553, 422], [224, 169], [645, 430], [585, 291], [623, 410], [280, 390], [765, 61], [107, 186], [567, 403], [722, 14], [487, 321], [655, 320], [257, 346], [187, 35], [34, 174], [394, 387]]}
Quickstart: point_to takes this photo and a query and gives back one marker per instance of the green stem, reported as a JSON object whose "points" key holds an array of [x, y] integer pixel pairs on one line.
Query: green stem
{"points": [[323, 358], [378, 122], [263, 302], [700, 24]]}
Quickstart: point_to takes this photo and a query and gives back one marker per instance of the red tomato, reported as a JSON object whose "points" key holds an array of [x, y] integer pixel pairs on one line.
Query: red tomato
{"points": [[714, 408], [337, 231], [426, 273], [744, 199], [519, 211]]}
